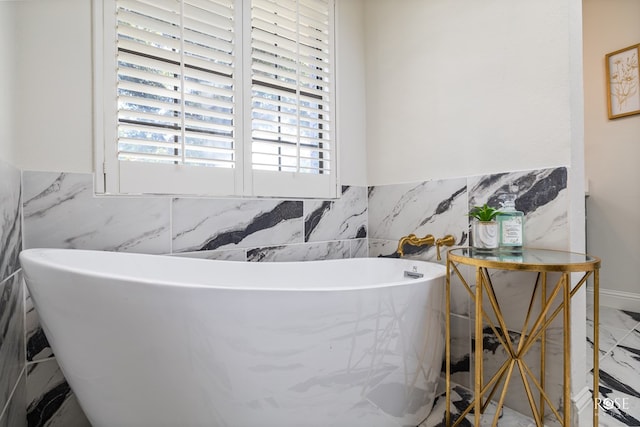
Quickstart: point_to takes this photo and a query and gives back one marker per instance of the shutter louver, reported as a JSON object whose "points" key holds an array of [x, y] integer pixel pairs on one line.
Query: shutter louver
{"points": [[291, 86], [216, 98], [176, 100]]}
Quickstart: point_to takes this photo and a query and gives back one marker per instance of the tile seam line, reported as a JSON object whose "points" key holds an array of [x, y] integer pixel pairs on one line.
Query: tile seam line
{"points": [[9, 277], [5, 410]]}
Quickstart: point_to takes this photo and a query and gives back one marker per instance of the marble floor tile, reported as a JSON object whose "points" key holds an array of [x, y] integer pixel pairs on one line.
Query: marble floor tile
{"points": [[619, 392], [460, 399], [50, 401], [608, 338], [615, 318]]}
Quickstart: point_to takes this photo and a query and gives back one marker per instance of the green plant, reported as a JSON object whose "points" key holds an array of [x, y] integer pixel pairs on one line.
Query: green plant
{"points": [[483, 213]]}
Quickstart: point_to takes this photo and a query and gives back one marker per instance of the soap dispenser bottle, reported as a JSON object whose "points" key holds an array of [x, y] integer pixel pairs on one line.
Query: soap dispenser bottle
{"points": [[510, 223]]}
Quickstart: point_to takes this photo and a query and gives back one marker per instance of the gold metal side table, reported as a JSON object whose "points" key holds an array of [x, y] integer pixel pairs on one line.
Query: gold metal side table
{"points": [[541, 261]]}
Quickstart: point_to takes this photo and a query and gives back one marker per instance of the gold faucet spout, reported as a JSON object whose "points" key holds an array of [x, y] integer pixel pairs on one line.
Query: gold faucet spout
{"points": [[414, 240], [404, 240]]}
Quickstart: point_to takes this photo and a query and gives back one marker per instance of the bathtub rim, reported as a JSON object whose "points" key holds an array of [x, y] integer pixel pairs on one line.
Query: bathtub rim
{"points": [[38, 256]]}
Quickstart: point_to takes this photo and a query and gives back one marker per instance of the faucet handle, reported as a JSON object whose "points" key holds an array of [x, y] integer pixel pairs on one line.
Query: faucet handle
{"points": [[448, 240]]}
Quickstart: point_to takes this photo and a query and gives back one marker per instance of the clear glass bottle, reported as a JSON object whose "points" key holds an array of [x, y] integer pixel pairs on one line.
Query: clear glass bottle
{"points": [[510, 223]]}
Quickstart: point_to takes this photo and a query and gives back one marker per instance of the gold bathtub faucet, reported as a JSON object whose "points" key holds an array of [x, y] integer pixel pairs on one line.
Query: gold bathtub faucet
{"points": [[414, 240]]}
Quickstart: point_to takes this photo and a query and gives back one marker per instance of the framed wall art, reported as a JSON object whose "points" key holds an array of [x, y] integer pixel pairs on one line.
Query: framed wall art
{"points": [[623, 84]]}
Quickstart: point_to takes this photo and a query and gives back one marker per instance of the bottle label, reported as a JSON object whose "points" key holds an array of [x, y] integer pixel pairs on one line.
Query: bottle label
{"points": [[512, 231]]}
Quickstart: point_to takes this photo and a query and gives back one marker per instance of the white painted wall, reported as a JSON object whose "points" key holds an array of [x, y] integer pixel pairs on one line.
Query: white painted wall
{"points": [[442, 78], [463, 88], [612, 151], [53, 111], [7, 83], [54, 120], [351, 92]]}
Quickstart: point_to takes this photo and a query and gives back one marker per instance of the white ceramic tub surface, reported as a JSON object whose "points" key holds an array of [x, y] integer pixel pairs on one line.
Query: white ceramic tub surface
{"points": [[149, 340]]}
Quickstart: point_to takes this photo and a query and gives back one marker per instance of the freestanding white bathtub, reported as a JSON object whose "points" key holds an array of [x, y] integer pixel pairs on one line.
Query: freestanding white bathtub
{"points": [[150, 341]]}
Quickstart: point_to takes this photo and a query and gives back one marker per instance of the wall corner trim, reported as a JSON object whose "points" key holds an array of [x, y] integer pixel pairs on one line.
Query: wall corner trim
{"points": [[582, 408]]}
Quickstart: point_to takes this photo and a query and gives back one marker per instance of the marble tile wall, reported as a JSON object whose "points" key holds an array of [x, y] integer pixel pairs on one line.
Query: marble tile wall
{"points": [[12, 361], [439, 207], [542, 196], [60, 210], [431, 207]]}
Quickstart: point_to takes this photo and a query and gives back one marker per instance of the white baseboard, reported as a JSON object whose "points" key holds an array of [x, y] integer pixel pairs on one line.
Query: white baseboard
{"points": [[617, 299]]}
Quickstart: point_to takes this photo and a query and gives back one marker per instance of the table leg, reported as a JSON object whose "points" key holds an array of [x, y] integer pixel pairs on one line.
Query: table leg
{"points": [[566, 300], [478, 349], [543, 343], [596, 348], [448, 347]]}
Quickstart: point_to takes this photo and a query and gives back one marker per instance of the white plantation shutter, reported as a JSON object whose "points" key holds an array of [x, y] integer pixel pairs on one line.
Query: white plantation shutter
{"points": [[176, 107], [179, 105], [292, 119]]}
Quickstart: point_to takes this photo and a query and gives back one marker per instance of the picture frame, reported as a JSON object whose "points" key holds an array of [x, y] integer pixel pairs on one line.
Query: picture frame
{"points": [[623, 83]]}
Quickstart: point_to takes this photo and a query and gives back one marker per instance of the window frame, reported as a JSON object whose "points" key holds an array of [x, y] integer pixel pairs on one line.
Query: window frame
{"points": [[123, 177]]}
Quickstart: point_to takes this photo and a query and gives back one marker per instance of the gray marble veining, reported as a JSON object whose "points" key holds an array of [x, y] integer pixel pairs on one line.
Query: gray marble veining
{"points": [[215, 224], [301, 252], [430, 207], [542, 196], [359, 248], [340, 219], [16, 413], [220, 255], [50, 400], [37, 345], [10, 222], [619, 392], [12, 338], [61, 211]]}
